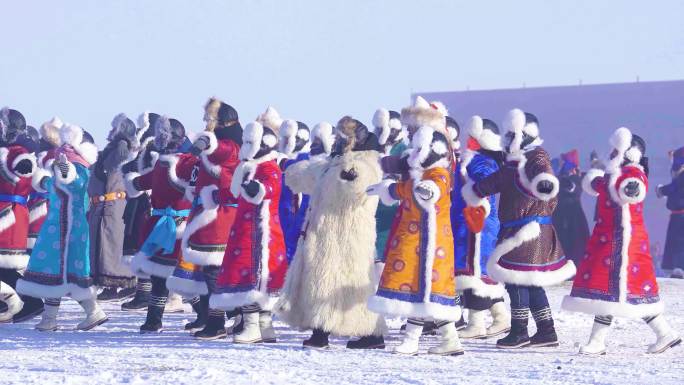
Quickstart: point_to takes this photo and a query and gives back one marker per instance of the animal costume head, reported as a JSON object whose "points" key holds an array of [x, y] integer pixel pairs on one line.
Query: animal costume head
{"points": [[388, 128], [352, 135], [522, 132], [422, 113], [483, 134], [294, 138], [169, 135], [222, 119], [323, 137], [258, 141], [77, 144], [627, 150], [123, 128], [12, 124]]}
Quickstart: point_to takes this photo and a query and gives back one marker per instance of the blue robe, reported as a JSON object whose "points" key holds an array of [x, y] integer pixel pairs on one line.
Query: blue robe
{"points": [[60, 261], [291, 217]]}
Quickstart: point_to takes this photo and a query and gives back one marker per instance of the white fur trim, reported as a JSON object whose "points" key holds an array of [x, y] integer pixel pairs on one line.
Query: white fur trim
{"points": [[30, 242], [429, 203], [141, 155], [421, 113], [382, 191], [172, 161], [4, 153], [265, 228], [544, 176], [211, 138], [186, 287], [37, 212], [429, 310], [288, 135], [118, 120], [324, 131], [50, 131], [143, 121], [251, 140], [207, 216], [131, 190], [143, 267], [71, 134], [70, 290], [180, 229], [621, 140], [381, 122], [486, 138], [420, 146], [37, 178], [616, 309], [479, 287], [472, 199], [256, 199], [14, 261], [31, 158], [11, 299], [624, 198], [589, 179], [527, 232], [229, 301], [70, 176]]}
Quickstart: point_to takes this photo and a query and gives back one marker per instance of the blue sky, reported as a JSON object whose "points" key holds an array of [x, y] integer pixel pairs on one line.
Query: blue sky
{"points": [[315, 60]]}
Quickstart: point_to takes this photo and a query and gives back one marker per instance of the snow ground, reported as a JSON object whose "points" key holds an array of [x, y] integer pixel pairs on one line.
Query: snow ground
{"points": [[115, 353]]}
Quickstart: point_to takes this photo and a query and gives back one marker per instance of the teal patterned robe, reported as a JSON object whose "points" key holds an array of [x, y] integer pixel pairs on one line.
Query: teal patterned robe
{"points": [[60, 262]]}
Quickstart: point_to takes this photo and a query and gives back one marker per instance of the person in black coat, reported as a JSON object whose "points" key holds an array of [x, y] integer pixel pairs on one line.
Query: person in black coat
{"points": [[673, 258]]}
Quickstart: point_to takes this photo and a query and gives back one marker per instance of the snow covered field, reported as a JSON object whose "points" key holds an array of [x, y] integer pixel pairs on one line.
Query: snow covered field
{"points": [[116, 353]]}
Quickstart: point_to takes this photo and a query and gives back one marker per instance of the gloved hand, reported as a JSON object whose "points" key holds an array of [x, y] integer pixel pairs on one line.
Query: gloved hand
{"points": [[545, 186], [201, 144], [349, 175], [24, 167], [632, 189], [63, 165], [423, 191], [251, 188]]}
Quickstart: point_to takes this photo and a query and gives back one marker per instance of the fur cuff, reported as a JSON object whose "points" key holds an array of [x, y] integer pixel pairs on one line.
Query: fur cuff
{"points": [[70, 290], [213, 169], [4, 169], [479, 287], [207, 197], [589, 179], [230, 301], [616, 309], [14, 261], [37, 179], [256, 199], [143, 267], [31, 158], [37, 212], [188, 288], [70, 176], [624, 199], [129, 184], [427, 203], [544, 176], [382, 190], [431, 310], [472, 199]]}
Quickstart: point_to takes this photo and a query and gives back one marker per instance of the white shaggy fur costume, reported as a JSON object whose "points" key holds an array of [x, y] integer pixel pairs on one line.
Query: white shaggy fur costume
{"points": [[329, 283]]}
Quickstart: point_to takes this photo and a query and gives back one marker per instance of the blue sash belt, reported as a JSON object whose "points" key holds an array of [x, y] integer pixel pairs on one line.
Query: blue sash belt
{"points": [[163, 235], [38, 195], [14, 199], [526, 220]]}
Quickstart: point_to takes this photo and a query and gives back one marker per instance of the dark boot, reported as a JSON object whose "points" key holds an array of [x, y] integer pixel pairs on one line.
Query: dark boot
{"points": [[141, 297], [238, 323], [367, 342], [319, 339], [125, 293], [155, 312], [215, 328], [33, 307], [461, 324], [545, 335], [108, 294], [200, 307], [430, 328], [518, 336]]}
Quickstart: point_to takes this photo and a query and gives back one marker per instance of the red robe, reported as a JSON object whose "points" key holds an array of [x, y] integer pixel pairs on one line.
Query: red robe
{"points": [[616, 276], [206, 236], [38, 202], [14, 216], [254, 266], [168, 181]]}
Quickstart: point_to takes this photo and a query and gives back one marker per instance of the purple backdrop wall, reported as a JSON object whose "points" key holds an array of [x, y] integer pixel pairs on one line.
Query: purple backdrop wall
{"points": [[584, 116]]}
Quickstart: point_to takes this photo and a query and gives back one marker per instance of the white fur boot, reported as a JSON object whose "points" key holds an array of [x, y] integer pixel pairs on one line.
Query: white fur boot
{"points": [[94, 315], [49, 321], [666, 337], [268, 334], [451, 345], [12, 300], [409, 346], [251, 334], [174, 304], [597, 341], [476, 325], [502, 320]]}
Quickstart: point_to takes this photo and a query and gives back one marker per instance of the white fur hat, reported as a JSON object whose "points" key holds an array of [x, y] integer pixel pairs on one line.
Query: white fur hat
{"points": [[422, 113], [487, 139], [326, 133]]}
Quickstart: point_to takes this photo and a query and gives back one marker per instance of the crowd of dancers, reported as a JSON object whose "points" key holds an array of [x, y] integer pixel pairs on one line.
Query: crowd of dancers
{"points": [[331, 229]]}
